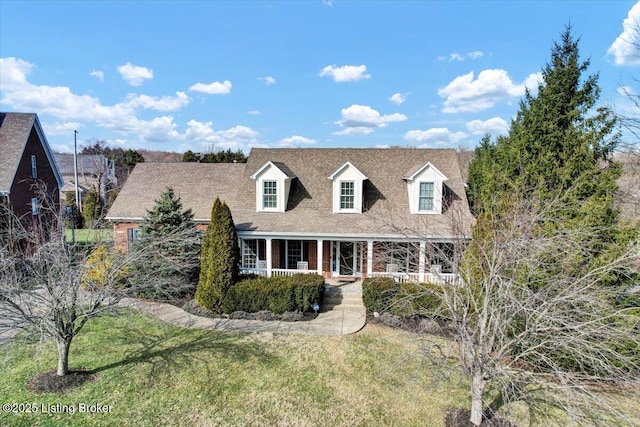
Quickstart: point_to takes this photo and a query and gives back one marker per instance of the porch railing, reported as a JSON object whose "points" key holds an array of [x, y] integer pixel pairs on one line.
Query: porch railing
{"points": [[442, 278], [276, 271]]}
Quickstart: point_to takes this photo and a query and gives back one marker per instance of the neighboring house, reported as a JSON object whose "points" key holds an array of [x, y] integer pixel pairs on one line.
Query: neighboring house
{"points": [[347, 213], [28, 171], [94, 171]]}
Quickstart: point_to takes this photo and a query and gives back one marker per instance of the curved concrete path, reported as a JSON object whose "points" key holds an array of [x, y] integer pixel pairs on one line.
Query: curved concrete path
{"points": [[341, 316]]}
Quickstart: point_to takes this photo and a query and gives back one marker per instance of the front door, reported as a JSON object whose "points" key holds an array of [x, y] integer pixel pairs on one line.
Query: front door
{"points": [[346, 258]]}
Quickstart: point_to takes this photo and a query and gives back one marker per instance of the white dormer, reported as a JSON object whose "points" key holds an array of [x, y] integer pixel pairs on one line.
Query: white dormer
{"points": [[425, 186], [347, 189], [273, 182]]}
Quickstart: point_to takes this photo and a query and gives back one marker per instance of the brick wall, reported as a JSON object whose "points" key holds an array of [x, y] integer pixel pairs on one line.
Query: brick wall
{"points": [[120, 234], [312, 246]]}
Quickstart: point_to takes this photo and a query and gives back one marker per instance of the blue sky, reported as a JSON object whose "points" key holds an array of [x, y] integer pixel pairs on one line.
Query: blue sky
{"points": [[215, 75]]}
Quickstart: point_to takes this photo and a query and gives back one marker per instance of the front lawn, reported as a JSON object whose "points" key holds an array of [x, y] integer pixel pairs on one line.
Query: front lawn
{"points": [[89, 235], [150, 373]]}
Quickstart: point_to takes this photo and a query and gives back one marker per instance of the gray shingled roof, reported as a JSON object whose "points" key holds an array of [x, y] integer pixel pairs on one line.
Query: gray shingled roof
{"points": [[197, 184], [14, 133], [87, 163], [310, 208]]}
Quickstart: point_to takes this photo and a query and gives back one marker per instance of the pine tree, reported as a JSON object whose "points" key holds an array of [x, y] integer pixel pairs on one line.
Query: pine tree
{"points": [[558, 150], [91, 208], [220, 258], [165, 218]]}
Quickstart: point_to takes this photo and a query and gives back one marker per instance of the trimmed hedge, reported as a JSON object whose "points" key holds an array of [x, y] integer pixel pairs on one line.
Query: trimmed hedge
{"points": [[277, 294], [385, 295]]}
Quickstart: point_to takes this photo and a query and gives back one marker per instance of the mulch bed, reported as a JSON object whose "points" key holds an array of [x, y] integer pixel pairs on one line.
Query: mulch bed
{"points": [[50, 382]]}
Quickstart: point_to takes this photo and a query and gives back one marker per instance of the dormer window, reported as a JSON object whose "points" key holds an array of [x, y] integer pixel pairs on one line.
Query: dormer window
{"points": [[425, 189], [273, 182], [347, 194], [425, 201], [269, 194], [347, 189]]}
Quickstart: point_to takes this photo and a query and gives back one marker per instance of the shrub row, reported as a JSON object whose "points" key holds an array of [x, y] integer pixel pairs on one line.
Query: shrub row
{"points": [[277, 294], [385, 295]]}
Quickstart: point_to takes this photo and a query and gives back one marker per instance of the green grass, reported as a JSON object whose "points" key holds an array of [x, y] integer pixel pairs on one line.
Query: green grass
{"points": [[89, 235], [152, 374]]}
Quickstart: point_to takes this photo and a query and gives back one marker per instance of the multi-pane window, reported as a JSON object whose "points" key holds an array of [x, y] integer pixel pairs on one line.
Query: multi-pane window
{"points": [[34, 206], [425, 200], [249, 253], [34, 167], [269, 194], [294, 253], [347, 195]]}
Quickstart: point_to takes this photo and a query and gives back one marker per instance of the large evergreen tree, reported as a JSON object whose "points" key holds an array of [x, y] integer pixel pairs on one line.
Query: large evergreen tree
{"points": [[165, 218], [559, 150], [220, 258]]}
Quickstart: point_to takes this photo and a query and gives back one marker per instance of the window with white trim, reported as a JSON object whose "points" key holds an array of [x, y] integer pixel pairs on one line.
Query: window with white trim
{"points": [[249, 253], [425, 199], [295, 253], [34, 167], [34, 206], [269, 194], [347, 194]]}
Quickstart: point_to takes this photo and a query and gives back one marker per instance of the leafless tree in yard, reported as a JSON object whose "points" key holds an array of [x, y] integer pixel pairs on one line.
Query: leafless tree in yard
{"points": [[531, 324], [50, 289]]}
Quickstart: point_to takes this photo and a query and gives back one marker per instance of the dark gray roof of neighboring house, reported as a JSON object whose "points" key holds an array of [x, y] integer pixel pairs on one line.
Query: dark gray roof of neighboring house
{"points": [[14, 133], [87, 163], [197, 185], [15, 129], [310, 207]]}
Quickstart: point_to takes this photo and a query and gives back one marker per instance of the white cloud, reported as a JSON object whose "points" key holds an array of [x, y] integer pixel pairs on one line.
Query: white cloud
{"points": [[213, 88], [626, 48], [65, 128], [399, 98], [327, 3], [296, 141], [493, 126], [135, 75], [254, 112], [98, 75], [72, 109], [346, 73], [381, 146], [362, 120], [268, 80], [159, 129], [464, 94], [455, 56], [438, 136], [238, 137], [165, 103]]}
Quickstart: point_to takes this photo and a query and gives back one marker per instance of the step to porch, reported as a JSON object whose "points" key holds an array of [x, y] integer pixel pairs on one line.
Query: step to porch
{"points": [[343, 296]]}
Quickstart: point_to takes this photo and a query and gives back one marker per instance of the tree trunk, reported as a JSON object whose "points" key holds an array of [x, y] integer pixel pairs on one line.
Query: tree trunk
{"points": [[477, 390], [63, 357]]}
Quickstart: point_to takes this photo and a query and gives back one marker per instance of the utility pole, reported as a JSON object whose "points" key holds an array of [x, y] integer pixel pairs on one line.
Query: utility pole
{"points": [[75, 168]]}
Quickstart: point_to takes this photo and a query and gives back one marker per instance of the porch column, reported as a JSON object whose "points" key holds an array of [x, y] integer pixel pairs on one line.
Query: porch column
{"points": [[269, 260], [369, 257], [422, 261], [319, 255]]}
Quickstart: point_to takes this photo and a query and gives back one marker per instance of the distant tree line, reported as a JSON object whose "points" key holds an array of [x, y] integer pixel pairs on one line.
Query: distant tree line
{"points": [[227, 156]]}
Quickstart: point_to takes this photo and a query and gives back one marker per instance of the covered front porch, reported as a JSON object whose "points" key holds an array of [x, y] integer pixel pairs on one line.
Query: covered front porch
{"points": [[349, 259]]}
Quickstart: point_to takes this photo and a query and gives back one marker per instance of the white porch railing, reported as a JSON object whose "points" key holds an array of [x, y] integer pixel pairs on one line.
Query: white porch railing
{"points": [[290, 272], [442, 278], [276, 271]]}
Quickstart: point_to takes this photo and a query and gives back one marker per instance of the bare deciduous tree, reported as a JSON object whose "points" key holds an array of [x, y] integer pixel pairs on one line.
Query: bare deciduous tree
{"points": [[532, 324], [49, 288]]}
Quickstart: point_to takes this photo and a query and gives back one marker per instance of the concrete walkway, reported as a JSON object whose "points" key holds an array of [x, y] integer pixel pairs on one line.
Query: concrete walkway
{"points": [[342, 313]]}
